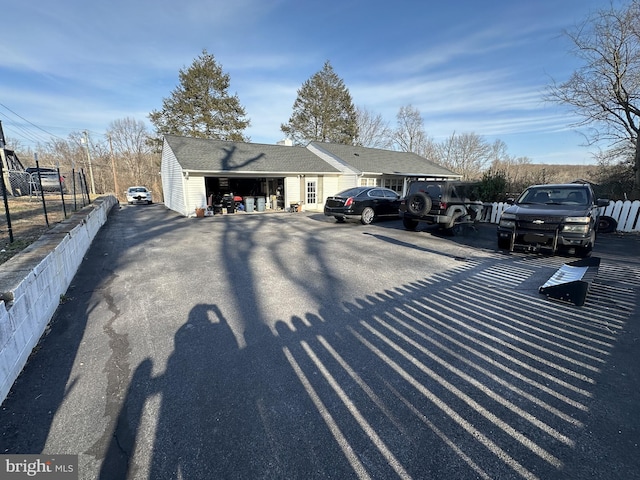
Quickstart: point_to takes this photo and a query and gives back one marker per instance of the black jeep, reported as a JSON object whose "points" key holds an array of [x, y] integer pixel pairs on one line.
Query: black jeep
{"points": [[447, 203], [552, 217]]}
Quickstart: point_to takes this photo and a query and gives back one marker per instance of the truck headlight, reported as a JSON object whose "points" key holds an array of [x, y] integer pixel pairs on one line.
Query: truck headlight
{"points": [[576, 225], [508, 220], [577, 219], [576, 228]]}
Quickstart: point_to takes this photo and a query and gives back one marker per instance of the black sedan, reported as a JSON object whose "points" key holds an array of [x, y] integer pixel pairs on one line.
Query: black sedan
{"points": [[365, 203]]}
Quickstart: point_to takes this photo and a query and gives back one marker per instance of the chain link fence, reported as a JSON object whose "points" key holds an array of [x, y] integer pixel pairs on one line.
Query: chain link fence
{"points": [[34, 200]]}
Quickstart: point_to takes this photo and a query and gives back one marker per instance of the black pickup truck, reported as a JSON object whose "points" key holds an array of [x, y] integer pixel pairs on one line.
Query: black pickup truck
{"points": [[552, 217]]}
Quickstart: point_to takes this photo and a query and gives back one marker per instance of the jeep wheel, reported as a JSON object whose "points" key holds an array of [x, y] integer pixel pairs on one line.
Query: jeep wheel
{"points": [[455, 230], [409, 224], [455, 227], [367, 216], [419, 204]]}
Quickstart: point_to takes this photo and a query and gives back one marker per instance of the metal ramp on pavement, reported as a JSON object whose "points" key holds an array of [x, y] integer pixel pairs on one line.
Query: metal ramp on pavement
{"points": [[572, 281]]}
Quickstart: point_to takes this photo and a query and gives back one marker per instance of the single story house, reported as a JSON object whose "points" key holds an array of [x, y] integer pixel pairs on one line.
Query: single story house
{"points": [[363, 166], [195, 171]]}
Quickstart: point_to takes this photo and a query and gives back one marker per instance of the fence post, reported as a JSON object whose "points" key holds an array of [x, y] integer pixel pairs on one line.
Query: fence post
{"points": [[86, 187], [44, 204], [6, 205], [64, 207]]}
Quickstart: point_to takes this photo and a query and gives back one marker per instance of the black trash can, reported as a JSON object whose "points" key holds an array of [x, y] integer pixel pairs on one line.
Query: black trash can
{"points": [[228, 203]]}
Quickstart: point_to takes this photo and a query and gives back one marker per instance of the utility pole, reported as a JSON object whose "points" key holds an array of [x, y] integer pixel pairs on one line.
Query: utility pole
{"points": [[113, 167], [86, 140]]}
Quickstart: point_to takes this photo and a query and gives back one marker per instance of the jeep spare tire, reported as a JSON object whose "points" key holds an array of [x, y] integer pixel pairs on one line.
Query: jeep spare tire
{"points": [[419, 204]]}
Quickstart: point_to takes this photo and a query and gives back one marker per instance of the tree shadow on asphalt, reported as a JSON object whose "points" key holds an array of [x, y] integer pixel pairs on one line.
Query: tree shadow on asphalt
{"points": [[467, 373], [27, 427]]}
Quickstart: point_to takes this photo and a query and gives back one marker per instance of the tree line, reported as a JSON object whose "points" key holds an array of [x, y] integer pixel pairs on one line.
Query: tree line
{"points": [[124, 156], [604, 92]]}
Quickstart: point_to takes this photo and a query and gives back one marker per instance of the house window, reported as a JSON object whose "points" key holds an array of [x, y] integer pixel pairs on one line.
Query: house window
{"points": [[311, 192], [369, 182], [394, 184]]}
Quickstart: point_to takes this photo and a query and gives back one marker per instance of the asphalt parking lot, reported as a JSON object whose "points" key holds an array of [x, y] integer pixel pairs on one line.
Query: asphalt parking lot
{"points": [[290, 346]]}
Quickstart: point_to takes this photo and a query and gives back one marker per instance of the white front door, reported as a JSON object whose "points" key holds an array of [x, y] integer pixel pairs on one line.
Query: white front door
{"points": [[311, 193]]}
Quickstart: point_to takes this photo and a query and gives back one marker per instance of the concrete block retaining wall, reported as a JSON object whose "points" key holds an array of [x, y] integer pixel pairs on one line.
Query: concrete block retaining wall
{"points": [[32, 283]]}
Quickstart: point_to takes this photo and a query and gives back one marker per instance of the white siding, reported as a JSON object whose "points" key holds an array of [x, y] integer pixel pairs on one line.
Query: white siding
{"points": [[347, 181], [172, 181], [196, 195], [331, 187], [291, 191]]}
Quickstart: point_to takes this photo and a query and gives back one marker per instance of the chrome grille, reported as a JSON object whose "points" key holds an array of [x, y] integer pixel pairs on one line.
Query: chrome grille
{"points": [[539, 223]]}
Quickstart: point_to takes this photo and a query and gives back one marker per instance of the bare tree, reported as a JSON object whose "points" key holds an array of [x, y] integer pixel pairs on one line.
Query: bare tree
{"points": [[130, 146], [373, 131], [409, 135], [132, 154], [467, 154], [605, 91], [63, 153], [512, 167]]}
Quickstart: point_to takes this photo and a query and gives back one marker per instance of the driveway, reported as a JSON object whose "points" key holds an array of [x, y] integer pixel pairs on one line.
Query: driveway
{"points": [[290, 346]]}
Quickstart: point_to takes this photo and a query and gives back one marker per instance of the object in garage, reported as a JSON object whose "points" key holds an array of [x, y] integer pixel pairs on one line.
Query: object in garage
{"points": [[572, 281], [228, 203]]}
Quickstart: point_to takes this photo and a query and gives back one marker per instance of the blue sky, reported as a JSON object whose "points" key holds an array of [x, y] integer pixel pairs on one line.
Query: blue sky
{"points": [[467, 66]]}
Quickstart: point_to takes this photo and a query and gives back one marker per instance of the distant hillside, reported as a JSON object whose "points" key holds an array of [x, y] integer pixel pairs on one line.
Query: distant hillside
{"points": [[521, 176], [558, 173]]}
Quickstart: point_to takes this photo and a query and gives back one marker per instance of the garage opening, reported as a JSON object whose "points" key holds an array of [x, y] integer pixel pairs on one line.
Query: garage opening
{"points": [[271, 189]]}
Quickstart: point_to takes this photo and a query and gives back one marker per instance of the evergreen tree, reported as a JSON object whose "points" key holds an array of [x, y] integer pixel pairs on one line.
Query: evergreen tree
{"points": [[323, 111], [200, 106]]}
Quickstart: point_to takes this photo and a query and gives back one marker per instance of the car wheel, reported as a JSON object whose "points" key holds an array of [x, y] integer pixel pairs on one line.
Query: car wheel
{"points": [[504, 243], [419, 203], [409, 224], [607, 225], [339, 219], [367, 216]]}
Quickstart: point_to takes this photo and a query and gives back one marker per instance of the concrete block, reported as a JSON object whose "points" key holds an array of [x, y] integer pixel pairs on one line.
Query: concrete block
{"points": [[31, 284]]}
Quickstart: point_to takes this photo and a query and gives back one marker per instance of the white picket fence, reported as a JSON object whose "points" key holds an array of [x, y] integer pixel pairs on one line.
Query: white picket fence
{"points": [[626, 213]]}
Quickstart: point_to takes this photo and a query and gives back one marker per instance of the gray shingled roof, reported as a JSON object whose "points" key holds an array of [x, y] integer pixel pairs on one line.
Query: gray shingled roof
{"points": [[375, 160], [205, 155]]}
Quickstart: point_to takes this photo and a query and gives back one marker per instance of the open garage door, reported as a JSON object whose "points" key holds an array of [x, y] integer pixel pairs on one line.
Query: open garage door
{"points": [[271, 189]]}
